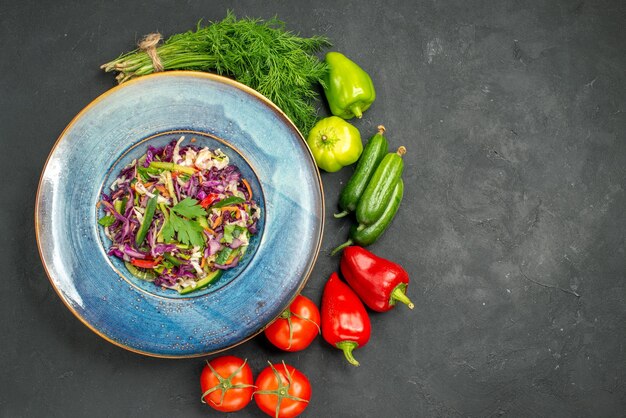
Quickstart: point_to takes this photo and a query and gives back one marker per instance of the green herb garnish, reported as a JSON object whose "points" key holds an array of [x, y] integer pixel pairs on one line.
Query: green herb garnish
{"points": [[232, 231], [188, 230], [144, 172], [189, 208], [107, 220], [224, 255], [230, 200], [259, 53]]}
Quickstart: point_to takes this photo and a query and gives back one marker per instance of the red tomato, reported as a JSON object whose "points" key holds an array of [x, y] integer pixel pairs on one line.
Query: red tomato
{"points": [[296, 328], [282, 391], [226, 383]]}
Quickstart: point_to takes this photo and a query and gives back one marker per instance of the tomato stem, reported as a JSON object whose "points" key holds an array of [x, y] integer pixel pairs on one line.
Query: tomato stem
{"points": [[347, 347], [290, 330], [319, 330], [225, 383], [282, 391]]}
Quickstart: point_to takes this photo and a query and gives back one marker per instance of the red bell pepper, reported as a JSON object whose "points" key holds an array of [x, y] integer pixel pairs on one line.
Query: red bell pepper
{"points": [[379, 283], [345, 323], [145, 264], [207, 201]]}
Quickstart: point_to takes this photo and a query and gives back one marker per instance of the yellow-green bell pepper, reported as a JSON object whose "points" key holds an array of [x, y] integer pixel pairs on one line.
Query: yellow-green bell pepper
{"points": [[349, 90], [334, 143]]}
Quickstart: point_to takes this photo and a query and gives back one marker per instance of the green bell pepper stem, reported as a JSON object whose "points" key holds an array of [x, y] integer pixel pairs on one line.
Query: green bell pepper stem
{"points": [[172, 167]]}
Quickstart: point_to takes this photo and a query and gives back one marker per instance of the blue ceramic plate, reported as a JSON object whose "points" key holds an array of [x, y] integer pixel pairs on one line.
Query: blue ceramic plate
{"points": [[116, 128]]}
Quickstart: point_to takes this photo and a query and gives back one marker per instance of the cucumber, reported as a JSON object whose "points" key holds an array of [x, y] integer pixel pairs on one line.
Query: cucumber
{"points": [[374, 152], [364, 235], [378, 192], [175, 261], [147, 219], [202, 283], [143, 274]]}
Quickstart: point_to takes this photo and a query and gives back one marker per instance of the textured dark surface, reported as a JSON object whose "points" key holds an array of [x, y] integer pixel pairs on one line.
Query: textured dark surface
{"points": [[512, 227]]}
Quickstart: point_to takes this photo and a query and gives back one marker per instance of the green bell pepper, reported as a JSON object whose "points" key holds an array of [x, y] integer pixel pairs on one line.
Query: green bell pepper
{"points": [[334, 143], [349, 90]]}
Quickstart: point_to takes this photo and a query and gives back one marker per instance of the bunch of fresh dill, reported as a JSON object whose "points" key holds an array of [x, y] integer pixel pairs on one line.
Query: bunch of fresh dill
{"points": [[259, 53]]}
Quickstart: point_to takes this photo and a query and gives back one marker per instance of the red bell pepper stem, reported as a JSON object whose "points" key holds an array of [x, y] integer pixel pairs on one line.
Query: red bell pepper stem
{"points": [[345, 322], [399, 295], [347, 347], [379, 283]]}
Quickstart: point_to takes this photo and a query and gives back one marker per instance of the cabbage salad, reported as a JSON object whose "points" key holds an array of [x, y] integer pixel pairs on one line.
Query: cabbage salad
{"points": [[179, 215]]}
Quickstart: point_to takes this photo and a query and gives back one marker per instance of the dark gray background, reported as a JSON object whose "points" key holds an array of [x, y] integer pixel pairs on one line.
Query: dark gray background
{"points": [[512, 227]]}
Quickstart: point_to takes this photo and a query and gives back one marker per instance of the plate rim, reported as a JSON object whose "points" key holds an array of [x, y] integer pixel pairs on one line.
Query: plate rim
{"points": [[175, 73]]}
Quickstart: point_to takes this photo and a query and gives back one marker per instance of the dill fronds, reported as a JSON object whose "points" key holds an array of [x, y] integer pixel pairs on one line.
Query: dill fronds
{"points": [[261, 54]]}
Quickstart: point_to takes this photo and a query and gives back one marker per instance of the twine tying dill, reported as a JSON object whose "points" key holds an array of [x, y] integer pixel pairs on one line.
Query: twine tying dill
{"points": [[148, 44]]}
